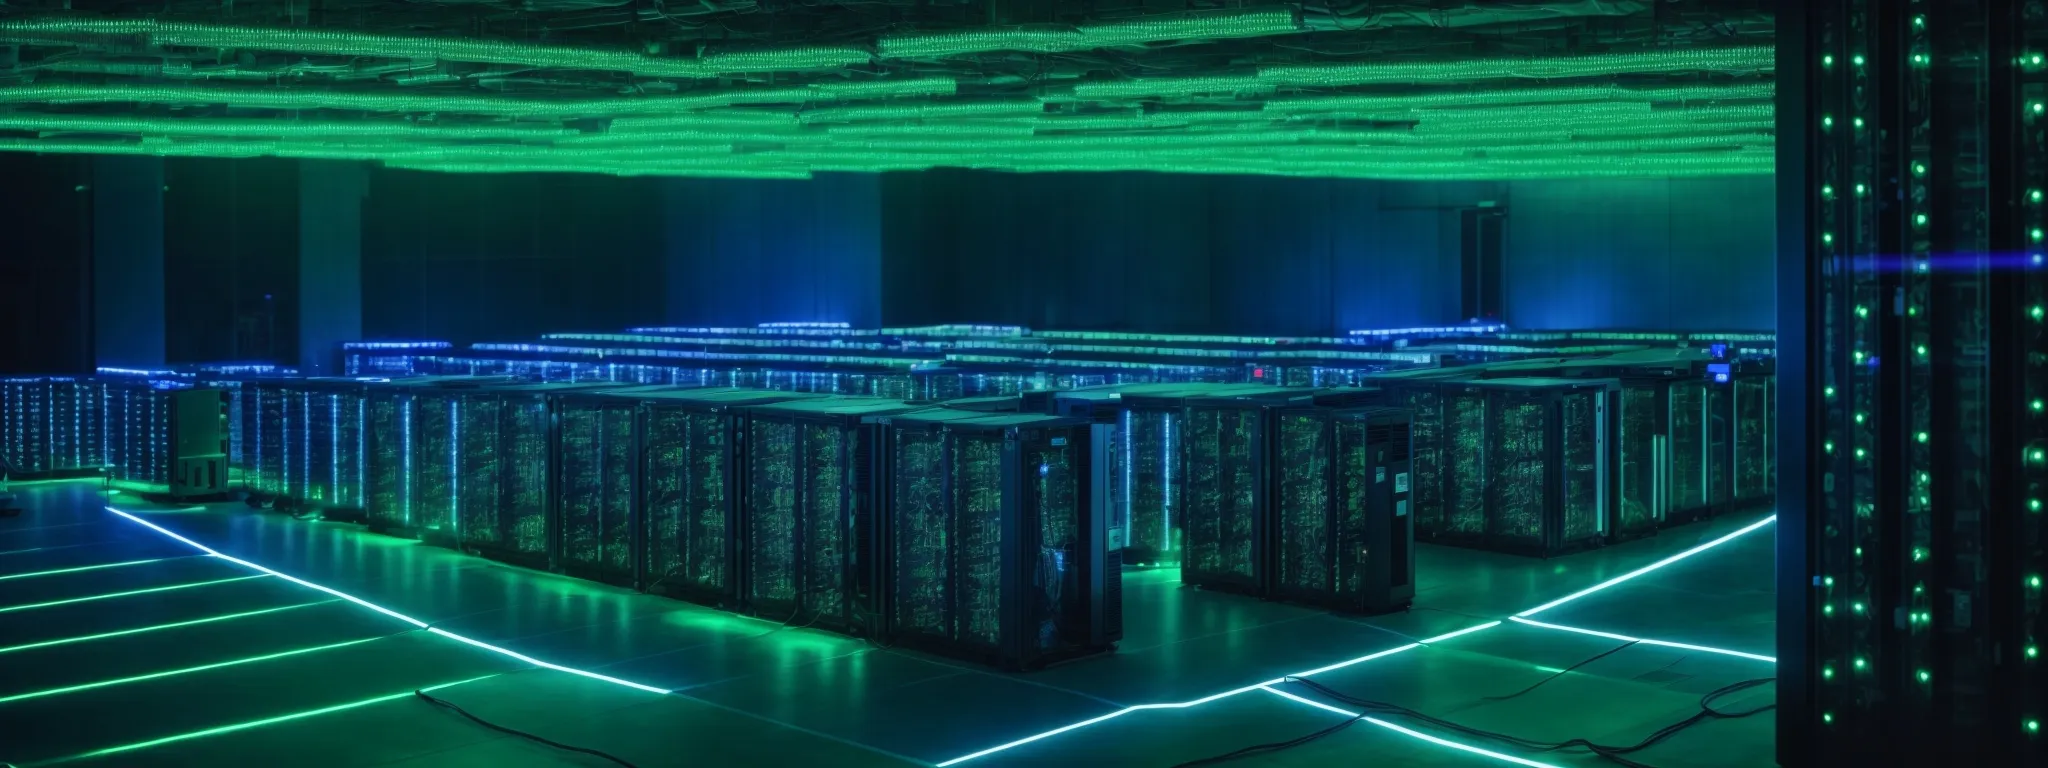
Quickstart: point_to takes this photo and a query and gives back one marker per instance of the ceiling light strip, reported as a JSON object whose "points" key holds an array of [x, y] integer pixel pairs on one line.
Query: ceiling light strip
{"points": [[1256, 22]]}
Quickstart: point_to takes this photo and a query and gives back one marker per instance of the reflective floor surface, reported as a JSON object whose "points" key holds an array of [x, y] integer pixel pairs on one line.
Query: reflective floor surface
{"points": [[122, 645]]}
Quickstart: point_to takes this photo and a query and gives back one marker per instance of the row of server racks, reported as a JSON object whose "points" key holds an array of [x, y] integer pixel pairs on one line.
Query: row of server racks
{"points": [[155, 433], [966, 533], [1536, 458]]}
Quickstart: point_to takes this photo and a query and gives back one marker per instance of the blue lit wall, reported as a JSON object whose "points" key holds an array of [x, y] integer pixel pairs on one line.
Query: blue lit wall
{"points": [[1176, 253], [747, 251], [1650, 254], [496, 257]]}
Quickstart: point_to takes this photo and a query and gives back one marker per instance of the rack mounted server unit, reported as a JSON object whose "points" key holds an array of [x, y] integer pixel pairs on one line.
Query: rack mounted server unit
{"points": [[1538, 482], [597, 475], [1755, 387], [808, 506], [503, 438], [406, 454], [1217, 459], [319, 441], [1137, 462], [51, 426], [1344, 535], [1421, 393], [994, 540]]}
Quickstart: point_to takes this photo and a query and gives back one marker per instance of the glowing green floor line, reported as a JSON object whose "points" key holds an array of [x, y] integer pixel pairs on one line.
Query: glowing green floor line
{"points": [[1216, 697], [112, 595], [187, 670], [1340, 665], [156, 627], [393, 614], [1649, 568], [1647, 641], [10, 577], [260, 723], [1407, 731]]}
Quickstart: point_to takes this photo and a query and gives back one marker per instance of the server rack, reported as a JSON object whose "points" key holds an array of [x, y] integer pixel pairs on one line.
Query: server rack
{"points": [[137, 429], [994, 544], [264, 410], [1215, 446], [1433, 483], [597, 480], [1543, 454], [692, 482], [407, 463], [320, 440], [51, 425], [808, 506], [1344, 535], [1126, 477], [504, 437], [1755, 394]]}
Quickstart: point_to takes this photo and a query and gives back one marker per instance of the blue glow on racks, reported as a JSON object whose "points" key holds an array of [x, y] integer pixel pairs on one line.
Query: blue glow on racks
{"points": [[334, 446], [1130, 460], [1166, 471], [405, 431], [454, 470]]}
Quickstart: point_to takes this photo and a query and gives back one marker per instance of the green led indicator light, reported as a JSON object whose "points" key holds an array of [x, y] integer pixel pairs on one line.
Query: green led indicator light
{"points": [[1860, 189], [1827, 610], [2034, 505], [2035, 60], [2038, 405], [1920, 219], [1919, 554], [1827, 190], [1924, 675], [1827, 121], [2033, 726], [1857, 60], [2036, 312], [1827, 237], [1860, 663], [2034, 196], [1830, 391], [1828, 446], [1828, 581], [1856, 606], [2037, 455], [1862, 311], [1859, 355], [1922, 437], [1859, 453], [1859, 551], [1919, 169], [1827, 672], [1920, 58], [1859, 418], [1921, 349], [2034, 581], [1919, 21], [1858, 122], [2035, 233], [2040, 108], [2033, 651], [1919, 589]]}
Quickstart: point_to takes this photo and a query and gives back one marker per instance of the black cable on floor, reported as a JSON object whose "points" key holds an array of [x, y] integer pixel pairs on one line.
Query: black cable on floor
{"points": [[519, 733], [1561, 673]]}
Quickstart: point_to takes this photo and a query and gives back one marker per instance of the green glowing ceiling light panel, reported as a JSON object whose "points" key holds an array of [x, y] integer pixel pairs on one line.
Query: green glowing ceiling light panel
{"points": [[1259, 22], [924, 111], [1732, 59], [1175, 86]]}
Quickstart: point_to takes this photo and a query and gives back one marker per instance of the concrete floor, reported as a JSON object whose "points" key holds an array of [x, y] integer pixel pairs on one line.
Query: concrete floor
{"points": [[216, 667]]}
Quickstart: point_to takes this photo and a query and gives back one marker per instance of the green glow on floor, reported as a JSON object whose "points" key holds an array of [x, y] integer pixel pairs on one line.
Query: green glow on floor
{"points": [[186, 670], [90, 568], [266, 721], [157, 627], [112, 595]]}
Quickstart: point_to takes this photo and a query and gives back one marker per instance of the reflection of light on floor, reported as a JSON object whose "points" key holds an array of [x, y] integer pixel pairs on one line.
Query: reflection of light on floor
{"points": [[1646, 641], [1262, 686], [92, 567], [129, 593], [186, 670], [267, 721], [1405, 731], [157, 627], [1649, 568], [388, 612]]}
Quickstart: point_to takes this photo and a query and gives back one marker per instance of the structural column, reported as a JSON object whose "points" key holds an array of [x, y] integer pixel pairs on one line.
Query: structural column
{"points": [[128, 262], [330, 262]]}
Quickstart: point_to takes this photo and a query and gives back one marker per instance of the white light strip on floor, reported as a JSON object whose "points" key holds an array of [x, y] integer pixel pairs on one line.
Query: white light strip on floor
{"points": [[1646, 641], [393, 614], [1408, 731], [1216, 697], [1651, 567]]}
